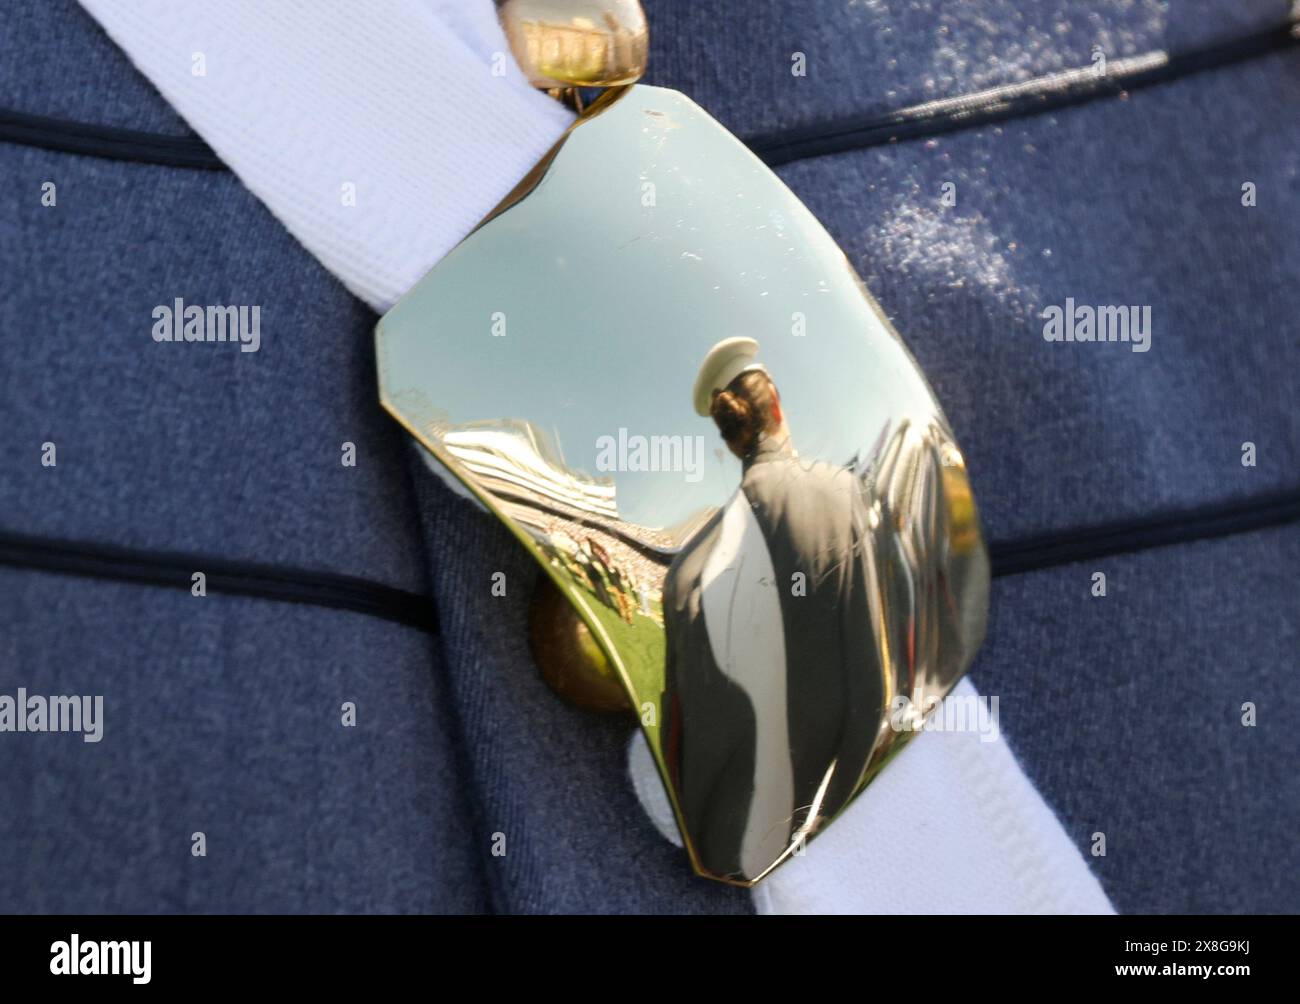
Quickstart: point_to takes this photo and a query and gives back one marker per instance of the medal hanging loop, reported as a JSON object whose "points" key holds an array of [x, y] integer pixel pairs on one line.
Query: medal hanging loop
{"points": [[564, 46]]}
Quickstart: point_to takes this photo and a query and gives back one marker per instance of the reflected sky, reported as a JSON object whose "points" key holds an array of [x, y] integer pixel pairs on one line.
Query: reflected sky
{"points": [[599, 339]]}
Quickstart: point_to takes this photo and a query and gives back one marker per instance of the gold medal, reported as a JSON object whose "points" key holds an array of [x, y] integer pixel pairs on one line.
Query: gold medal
{"points": [[655, 366]]}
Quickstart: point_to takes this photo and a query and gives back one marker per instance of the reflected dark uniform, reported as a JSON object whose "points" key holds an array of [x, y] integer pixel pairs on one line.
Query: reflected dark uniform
{"points": [[814, 521]]}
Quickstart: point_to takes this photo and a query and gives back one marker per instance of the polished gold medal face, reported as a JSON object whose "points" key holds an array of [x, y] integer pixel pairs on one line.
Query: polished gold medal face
{"points": [[658, 369]]}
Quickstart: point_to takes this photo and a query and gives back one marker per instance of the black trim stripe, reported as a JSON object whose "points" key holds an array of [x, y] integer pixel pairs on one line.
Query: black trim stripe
{"points": [[240, 578], [107, 141], [1031, 97], [1030, 554], [342, 592]]}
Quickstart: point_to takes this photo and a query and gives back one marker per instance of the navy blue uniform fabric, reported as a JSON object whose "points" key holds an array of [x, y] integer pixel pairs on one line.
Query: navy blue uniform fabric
{"points": [[223, 716], [222, 713], [1126, 712], [871, 57]]}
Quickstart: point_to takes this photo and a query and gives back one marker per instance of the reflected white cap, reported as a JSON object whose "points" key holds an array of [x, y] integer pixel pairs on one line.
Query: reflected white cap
{"points": [[725, 361]]}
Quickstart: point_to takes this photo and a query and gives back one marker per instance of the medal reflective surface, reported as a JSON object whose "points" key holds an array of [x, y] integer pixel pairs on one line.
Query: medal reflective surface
{"points": [[782, 586]]}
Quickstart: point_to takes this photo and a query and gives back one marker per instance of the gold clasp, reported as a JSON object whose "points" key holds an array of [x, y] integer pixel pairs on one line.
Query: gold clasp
{"points": [[564, 45]]}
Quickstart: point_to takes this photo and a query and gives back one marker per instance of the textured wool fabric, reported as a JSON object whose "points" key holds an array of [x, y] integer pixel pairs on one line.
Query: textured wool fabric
{"points": [[180, 447], [1125, 711], [1130, 714], [867, 58], [224, 717], [351, 121], [152, 43]]}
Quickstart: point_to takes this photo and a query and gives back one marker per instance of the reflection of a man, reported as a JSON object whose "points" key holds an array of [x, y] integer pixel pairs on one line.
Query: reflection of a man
{"points": [[774, 686]]}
